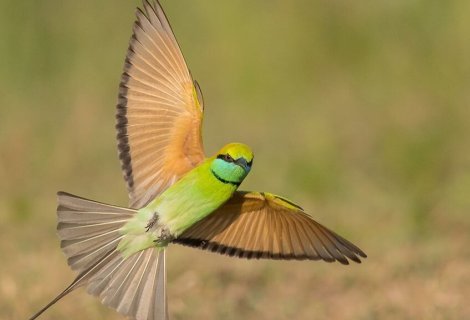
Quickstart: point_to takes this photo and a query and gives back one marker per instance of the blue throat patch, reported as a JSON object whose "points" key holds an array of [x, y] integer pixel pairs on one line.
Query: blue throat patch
{"points": [[223, 180]]}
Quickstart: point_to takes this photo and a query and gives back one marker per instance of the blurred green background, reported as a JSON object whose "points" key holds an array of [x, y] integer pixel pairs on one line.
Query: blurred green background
{"points": [[360, 111]]}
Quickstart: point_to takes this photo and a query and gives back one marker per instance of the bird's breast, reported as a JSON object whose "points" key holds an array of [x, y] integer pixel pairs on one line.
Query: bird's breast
{"points": [[191, 199]]}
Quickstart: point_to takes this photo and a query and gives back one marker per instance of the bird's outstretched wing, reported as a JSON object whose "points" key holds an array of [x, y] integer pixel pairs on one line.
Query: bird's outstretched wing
{"points": [[262, 225], [159, 113]]}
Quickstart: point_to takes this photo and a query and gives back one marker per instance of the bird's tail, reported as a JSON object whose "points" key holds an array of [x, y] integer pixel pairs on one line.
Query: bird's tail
{"points": [[90, 233]]}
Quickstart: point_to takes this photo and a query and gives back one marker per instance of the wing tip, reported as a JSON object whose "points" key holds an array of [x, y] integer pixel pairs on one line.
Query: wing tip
{"points": [[215, 247]]}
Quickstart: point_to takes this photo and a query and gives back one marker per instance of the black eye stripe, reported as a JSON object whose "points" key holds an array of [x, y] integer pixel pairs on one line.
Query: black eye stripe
{"points": [[225, 157], [228, 158]]}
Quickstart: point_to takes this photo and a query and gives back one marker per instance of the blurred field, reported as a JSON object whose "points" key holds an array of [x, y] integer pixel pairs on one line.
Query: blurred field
{"points": [[360, 111]]}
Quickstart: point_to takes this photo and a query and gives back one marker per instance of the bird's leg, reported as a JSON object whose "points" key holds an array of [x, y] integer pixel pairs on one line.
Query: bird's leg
{"points": [[165, 235], [152, 222], [162, 235]]}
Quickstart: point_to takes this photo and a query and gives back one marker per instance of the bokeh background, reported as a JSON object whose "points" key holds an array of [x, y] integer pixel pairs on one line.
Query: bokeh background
{"points": [[358, 110]]}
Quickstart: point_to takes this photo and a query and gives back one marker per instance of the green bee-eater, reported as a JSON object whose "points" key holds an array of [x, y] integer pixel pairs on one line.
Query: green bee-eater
{"points": [[176, 194]]}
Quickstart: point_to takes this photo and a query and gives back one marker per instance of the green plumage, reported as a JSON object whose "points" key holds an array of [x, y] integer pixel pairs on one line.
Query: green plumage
{"points": [[197, 194]]}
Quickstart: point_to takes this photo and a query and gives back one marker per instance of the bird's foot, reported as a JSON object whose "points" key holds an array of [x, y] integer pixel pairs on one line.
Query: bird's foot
{"points": [[165, 237], [151, 222]]}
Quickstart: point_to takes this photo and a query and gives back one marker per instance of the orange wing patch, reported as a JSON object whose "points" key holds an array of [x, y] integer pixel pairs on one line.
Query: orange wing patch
{"points": [[263, 225], [159, 115]]}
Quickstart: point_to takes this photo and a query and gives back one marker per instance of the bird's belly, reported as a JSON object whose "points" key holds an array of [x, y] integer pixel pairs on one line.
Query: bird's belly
{"points": [[181, 210]]}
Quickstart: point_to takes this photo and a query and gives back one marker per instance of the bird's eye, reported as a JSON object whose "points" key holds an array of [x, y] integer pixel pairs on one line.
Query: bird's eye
{"points": [[225, 157]]}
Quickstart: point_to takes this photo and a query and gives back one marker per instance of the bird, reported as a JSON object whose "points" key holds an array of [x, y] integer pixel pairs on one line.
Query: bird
{"points": [[177, 195]]}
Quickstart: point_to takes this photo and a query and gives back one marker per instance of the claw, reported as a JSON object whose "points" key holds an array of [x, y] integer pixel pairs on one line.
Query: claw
{"points": [[151, 222]]}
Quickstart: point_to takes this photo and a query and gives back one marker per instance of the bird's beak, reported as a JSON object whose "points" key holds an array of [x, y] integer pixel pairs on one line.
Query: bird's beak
{"points": [[242, 163]]}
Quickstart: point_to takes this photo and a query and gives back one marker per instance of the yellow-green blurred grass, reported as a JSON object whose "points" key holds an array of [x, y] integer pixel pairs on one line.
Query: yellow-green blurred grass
{"points": [[359, 111]]}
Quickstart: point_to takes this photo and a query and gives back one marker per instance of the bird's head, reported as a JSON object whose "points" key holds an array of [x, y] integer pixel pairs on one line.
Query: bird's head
{"points": [[232, 163]]}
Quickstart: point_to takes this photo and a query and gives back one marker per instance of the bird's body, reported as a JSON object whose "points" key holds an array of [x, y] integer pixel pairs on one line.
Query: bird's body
{"points": [[197, 194], [176, 195]]}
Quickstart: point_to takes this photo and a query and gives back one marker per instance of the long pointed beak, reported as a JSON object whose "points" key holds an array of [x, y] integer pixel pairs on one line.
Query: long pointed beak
{"points": [[242, 163]]}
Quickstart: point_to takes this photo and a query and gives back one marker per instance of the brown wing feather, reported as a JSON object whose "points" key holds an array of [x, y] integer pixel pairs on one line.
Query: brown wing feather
{"points": [[262, 225], [159, 113]]}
